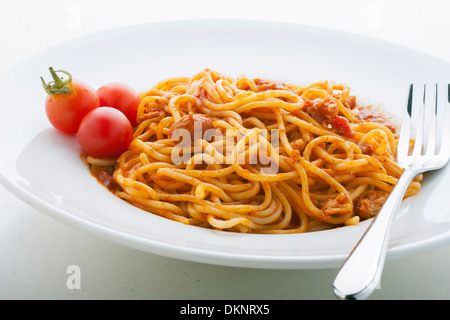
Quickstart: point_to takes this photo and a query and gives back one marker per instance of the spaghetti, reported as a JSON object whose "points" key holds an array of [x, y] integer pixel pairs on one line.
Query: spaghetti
{"points": [[255, 156]]}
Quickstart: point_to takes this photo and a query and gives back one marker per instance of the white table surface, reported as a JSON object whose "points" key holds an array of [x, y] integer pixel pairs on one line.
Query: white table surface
{"points": [[35, 250]]}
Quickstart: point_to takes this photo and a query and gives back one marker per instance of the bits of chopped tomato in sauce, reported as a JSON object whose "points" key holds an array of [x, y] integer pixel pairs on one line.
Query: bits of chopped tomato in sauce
{"points": [[321, 109], [104, 175], [350, 102], [202, 94], [366, 113], [335, 205], [195, 124], [264, 85], [326, 111], [342, 124], [368, 205]]}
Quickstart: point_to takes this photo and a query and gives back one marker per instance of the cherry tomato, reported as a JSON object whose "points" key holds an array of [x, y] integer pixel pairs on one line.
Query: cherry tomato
{"points": [[105, 132], [122, 97], [68, 101]]}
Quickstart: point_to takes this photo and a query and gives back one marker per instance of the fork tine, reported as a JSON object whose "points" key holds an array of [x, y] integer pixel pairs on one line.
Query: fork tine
{"points": [[405, 131], [443, 114], [431, 147], [418, 113]]}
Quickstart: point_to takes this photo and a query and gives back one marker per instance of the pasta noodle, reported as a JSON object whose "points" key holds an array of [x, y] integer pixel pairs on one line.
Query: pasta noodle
{"points": [[255, 156]]}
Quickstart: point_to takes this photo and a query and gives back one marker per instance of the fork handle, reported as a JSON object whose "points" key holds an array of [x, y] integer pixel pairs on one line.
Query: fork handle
{"points": [[361, 271]]}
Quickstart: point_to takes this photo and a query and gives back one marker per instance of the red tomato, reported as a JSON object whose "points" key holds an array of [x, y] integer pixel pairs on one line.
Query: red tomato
{"points": [[122, 97], [68, 102], [105, 133]]}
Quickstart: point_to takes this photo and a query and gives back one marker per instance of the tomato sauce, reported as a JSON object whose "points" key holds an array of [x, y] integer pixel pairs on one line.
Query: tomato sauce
{"points": [[366, 113]]}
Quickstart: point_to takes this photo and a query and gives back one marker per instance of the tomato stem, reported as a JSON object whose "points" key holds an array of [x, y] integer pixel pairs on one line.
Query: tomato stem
{"points": [[58, 85]]}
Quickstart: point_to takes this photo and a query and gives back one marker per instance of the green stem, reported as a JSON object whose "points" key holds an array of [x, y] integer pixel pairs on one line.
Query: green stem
{"points": [[58, 85]]}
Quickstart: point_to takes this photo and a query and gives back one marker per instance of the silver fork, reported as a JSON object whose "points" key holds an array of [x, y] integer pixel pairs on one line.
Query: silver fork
{"points": [[361, 271]]}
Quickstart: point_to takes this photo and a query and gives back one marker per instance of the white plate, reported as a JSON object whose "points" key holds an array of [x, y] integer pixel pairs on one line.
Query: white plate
{"points": [[43, 167]]}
